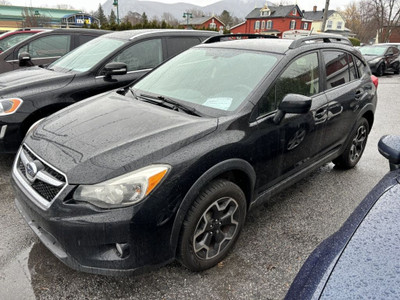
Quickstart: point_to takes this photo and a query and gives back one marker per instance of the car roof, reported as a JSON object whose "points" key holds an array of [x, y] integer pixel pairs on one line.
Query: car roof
{"points": [[277, 45], [133, 34], [80, 30], [268, 45]]}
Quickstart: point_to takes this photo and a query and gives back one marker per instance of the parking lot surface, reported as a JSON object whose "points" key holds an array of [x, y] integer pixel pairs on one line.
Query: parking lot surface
{"points": [[275, 241]]}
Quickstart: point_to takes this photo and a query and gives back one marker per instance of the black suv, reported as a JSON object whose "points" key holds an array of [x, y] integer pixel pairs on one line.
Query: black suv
{"points": [[382, 58], [108, 62], [169, 167], [45, 47]]}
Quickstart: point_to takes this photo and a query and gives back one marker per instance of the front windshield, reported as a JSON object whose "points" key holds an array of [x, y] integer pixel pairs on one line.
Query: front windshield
{"points": [[210, 77], [374, 51], [86, 56], [11, 40]]}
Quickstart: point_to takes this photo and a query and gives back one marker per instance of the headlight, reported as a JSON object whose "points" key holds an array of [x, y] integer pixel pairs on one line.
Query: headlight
{"points": [[9, 106], [124, 190]]}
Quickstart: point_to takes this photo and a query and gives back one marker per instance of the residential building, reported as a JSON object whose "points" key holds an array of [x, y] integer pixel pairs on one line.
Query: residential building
{"points": [[273, 20], [334, 24], [210, 22]]}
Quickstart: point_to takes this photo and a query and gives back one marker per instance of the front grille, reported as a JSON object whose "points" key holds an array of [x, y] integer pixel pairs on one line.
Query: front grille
{"points": [[44, 187]]}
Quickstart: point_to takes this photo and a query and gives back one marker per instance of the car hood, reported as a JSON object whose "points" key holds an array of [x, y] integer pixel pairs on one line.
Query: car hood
{"points": [[372, 57], [369, 263], [32, 80], [109, 135]]}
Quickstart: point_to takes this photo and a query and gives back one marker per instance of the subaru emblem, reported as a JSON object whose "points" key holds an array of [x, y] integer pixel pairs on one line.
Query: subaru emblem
{"points": [[32, 168]]}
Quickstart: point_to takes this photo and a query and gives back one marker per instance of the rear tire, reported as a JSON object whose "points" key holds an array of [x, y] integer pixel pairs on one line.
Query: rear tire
{"points": [[212, 225], [355, 147]]}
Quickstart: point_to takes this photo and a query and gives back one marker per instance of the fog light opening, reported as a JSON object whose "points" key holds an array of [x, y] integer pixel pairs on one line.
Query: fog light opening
{"points": [[122, 249]]}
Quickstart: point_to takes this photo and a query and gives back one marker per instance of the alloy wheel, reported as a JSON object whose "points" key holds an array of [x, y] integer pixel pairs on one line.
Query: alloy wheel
{"points": [[358, 143], [216, 227]]}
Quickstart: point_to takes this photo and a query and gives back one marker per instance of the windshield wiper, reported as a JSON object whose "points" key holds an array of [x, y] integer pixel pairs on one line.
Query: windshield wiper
{"points": [[166, 102]]}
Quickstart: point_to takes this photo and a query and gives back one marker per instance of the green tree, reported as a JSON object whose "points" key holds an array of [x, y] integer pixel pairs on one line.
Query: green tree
{"points": [[226, 18], [144, 20], [101, 16], [112, 19]]}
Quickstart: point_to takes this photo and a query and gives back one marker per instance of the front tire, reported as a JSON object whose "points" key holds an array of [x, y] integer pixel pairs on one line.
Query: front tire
{"points": [[396, 68], [380, 70], [355, 147], [212, 225]]}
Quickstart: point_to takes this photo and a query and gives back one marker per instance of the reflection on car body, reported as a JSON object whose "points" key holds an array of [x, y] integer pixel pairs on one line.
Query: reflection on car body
{"points": [[360, 260]]}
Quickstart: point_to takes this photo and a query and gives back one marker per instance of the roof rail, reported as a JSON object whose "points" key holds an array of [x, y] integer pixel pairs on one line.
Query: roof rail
{"points": [[321, 39], [238, 36]]}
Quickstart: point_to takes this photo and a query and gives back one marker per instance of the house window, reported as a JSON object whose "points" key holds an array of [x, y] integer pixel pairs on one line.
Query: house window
{"points": [[257, 25], [265, 13], [262, 24], [269, 24], [329, 24], [294, 12], [339, 25], [293, 24], [212, 26], [305, 26]]}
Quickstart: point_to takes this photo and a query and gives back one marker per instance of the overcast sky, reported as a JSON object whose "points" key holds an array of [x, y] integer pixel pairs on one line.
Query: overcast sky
{"points": [[92, 5]]}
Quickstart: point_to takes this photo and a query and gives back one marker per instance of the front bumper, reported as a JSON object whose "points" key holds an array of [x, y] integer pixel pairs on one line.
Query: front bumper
{"points": [[85, 238]]}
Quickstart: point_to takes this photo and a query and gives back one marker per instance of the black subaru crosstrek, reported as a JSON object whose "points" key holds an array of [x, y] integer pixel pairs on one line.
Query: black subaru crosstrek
{"points": [[169, 167], [111, 61]]}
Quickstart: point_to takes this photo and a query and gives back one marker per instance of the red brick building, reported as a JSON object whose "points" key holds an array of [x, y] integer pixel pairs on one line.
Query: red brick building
{"points": [[273, 20], [203, 23]]}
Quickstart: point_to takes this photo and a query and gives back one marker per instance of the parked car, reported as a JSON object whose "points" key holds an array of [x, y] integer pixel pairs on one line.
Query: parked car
{"points": [[10, 38], [108, 62], [382, 58], [45, 47], [360, 260], [168, 167]]}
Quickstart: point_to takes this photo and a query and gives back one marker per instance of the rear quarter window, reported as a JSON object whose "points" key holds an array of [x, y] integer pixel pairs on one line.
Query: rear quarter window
{"points": [[176, 45]]}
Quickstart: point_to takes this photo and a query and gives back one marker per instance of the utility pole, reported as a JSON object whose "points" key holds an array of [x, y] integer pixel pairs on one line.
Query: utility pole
{"points": [[325, 17]]}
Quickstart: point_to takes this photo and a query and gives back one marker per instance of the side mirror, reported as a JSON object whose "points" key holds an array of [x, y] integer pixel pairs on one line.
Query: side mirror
{"points": [[292, 104], [115, 68], [25, 59], [389, 147]]}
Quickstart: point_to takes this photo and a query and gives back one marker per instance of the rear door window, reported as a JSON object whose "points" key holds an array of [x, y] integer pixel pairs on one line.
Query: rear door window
{"points": [[337, 65]]}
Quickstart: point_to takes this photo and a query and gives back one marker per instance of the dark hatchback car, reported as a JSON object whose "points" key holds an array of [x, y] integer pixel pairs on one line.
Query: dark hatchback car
{"points": [[45, 47], [382, 58], [361, 260], [10, 38], [108, 62], [168, 168]]}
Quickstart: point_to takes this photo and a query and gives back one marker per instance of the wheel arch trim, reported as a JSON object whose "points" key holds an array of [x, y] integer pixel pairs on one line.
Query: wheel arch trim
{"points": [[212, 173]]}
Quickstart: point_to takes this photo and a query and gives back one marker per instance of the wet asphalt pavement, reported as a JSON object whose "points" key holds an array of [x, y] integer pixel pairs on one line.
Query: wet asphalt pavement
{"points": [[274, 243]]}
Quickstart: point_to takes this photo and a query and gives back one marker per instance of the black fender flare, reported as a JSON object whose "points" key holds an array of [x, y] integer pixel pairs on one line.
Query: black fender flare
{"points": [[233, 164]]}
